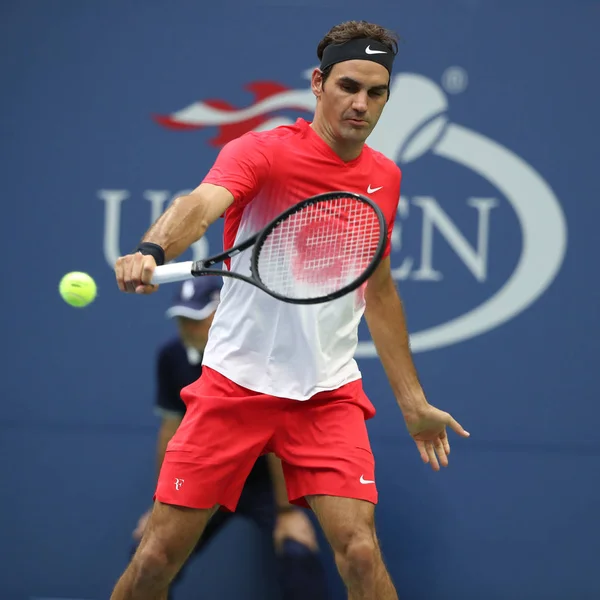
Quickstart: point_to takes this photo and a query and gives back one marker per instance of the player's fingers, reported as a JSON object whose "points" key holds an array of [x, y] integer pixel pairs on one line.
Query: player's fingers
{"points": [[146, 289], [457, 427], [119, 274], [147, 269], [440, 450], [422, 451], [445, 441], [130, 272], [137, 270], [433, 461]]}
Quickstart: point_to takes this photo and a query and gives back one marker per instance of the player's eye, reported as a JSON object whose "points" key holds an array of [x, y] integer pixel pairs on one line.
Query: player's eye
{"points": [[348, 87]]}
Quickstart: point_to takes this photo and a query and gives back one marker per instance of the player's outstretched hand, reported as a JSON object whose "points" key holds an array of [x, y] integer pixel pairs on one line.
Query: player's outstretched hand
{"points": [[134, 273], [428, 430]]}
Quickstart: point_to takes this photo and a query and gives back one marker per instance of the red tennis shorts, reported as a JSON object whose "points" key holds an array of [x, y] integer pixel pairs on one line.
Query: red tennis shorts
{"points": [[322, 442]]}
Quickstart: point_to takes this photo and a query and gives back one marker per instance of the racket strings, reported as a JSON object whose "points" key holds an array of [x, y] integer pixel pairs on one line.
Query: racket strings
{"points": [[320, 249]]}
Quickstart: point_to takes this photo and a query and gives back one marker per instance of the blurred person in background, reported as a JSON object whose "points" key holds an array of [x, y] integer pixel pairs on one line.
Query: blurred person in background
{"points": [[264, 499]]}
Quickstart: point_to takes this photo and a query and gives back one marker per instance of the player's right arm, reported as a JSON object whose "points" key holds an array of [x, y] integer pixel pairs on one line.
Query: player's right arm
{"points": [[238, 173], [184, 222]]}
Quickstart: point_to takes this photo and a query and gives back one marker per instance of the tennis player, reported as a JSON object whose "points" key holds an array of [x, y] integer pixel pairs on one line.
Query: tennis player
{"points": [[263, 501], [279, 377]]}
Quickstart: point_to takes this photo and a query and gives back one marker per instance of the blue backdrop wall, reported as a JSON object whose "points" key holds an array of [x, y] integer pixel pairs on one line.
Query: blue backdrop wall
{"points": [[110, 109]]}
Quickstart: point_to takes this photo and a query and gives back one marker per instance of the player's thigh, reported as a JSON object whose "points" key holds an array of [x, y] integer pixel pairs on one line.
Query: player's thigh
{"points": [[171, 534], [325, 449], [346, 522], [224, 431]]}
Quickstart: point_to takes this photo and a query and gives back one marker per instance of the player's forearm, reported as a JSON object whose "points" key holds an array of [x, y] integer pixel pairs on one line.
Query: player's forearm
{"points": [[387, 324], [187, 219], [183, 223]]}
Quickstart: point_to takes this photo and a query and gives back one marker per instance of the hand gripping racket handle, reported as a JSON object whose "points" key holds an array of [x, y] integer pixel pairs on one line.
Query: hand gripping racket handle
{"points": [[179, 271]]}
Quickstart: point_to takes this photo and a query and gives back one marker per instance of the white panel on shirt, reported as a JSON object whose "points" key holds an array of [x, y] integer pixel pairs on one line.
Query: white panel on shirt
{"points": [[280, 349]]}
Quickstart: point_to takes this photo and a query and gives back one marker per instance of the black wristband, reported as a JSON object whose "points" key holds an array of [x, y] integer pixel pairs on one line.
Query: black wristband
{"points": [[153, 250]]}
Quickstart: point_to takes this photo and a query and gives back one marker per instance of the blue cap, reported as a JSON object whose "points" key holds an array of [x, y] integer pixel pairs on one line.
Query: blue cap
{"points": [[197, 298]]}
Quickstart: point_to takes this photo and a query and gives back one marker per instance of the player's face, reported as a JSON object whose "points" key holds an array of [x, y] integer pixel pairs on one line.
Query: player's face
{"points": [[352, 98], [194, 333]]}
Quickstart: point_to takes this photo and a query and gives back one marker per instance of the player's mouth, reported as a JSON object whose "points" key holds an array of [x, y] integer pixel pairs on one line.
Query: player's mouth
{"points": [[357, 122]]}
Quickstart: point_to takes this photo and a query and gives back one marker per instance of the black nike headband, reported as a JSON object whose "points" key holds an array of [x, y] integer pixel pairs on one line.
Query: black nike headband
{"points": [[358, 49]]}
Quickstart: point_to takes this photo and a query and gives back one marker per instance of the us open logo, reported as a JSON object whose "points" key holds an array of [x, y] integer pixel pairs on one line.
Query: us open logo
{"points": [[414, 127]]}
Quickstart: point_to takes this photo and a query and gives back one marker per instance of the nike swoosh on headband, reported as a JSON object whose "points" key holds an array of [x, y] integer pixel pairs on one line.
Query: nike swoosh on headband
{"points": [[369, 51]]}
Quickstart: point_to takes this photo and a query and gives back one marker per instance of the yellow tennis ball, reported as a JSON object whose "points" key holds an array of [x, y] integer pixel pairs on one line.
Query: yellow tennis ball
{"points": [[77, 289]]}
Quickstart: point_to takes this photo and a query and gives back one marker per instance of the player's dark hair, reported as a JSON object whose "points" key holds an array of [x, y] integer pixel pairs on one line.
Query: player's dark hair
{"points": [[353, 30]]}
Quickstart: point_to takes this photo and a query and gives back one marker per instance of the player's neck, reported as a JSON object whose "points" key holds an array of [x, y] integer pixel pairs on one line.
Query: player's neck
{"points": [[347, 151]]}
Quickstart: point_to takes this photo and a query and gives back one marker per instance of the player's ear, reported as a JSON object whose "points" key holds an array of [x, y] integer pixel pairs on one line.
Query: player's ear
{"points": [[316, 82]]}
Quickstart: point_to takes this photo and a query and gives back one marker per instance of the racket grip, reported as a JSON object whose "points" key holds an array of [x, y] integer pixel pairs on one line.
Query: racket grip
{"points": [[179, 271]]}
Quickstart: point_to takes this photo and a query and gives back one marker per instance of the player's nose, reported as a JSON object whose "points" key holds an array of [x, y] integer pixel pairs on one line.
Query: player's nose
{"points": [[359, 101]]}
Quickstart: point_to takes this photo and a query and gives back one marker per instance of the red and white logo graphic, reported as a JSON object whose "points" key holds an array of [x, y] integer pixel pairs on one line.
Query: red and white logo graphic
{"points": [[269, 98]]}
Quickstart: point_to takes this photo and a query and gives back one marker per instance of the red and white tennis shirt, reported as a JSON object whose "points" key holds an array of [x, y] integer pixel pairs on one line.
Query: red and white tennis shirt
{"points": [[263, 344]]}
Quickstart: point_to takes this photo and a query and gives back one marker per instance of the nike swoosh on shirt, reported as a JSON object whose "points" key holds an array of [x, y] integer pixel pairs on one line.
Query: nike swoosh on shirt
{"points": [[371, 190]]}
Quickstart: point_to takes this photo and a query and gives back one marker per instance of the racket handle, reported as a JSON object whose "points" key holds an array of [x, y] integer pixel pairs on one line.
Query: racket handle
{"points": [[178, 271]]}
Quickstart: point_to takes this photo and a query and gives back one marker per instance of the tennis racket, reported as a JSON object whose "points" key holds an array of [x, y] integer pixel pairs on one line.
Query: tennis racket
{"points": [[316, 251]]}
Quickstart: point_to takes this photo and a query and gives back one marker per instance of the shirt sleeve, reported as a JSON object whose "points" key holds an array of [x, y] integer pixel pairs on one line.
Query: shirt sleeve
{"points": [[242, 167], [392, 219], [168, 400]]}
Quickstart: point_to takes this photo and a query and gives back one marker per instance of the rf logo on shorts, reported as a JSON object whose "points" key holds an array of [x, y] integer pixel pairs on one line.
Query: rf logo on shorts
{"points": [[178, 483]]}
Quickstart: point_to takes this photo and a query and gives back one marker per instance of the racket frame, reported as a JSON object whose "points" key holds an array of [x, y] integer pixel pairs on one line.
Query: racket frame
{"points": [[355, 284], [201, 268]]}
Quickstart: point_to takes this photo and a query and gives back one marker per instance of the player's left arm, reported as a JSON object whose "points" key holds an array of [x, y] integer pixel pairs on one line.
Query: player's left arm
{"points": [[386, 320], [385, 317]]}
